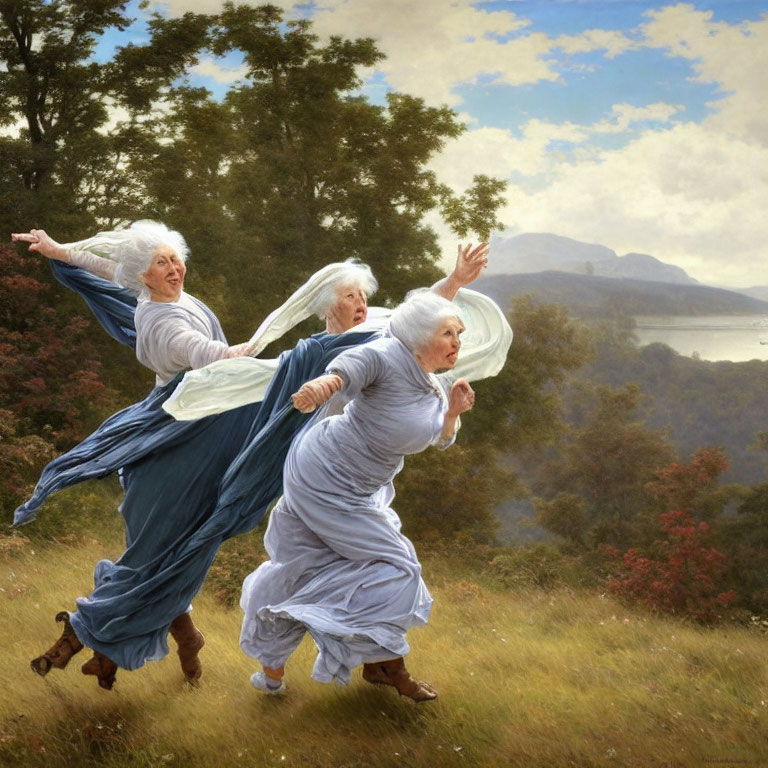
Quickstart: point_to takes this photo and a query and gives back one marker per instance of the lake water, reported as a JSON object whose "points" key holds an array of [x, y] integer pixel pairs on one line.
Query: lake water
{"points": [[712, 337]]}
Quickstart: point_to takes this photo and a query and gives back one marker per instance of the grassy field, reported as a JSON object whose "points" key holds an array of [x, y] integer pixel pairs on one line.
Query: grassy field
{"points": [[526, 678]]}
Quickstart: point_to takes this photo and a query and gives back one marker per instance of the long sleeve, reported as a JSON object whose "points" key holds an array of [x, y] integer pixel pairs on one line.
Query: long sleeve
{"points": [[92, 263], [444, 386], [185, 347], [359, 367], [177, 336]]}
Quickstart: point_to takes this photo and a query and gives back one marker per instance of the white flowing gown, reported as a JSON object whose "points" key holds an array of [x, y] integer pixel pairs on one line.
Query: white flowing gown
{"points": [[339, 566]]}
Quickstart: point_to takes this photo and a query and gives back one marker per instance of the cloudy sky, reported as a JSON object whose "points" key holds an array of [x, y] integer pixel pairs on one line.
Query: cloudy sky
{"points": [[634, 124]]}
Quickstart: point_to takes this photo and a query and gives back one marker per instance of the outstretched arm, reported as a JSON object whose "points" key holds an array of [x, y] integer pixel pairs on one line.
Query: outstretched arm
{"points": [[470, 262], [314, 393], [40, 242]]}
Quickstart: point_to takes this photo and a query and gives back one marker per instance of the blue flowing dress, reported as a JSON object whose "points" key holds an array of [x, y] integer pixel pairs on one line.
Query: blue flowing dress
{"points": [[188, 485]]}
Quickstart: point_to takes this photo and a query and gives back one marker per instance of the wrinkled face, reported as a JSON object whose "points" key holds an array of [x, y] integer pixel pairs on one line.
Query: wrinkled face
{"points": [[165, 275], [442, 349], [349, 309]]}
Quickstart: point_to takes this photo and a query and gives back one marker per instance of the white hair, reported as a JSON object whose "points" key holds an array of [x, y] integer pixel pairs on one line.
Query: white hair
{"points": [[350, 273], [415, 320], [132, 248]]}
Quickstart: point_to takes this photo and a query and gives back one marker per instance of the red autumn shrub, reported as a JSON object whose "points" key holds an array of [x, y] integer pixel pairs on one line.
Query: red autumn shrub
{"points": [[684, 578]]}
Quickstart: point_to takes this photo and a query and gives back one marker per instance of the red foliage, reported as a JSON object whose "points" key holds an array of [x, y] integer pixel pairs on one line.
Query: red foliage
{"points": [[49, 373], [685, 486], [683, 580]]}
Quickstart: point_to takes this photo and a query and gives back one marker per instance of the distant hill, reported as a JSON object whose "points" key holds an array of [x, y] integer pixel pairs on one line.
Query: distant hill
{"points": [[641, 266], [535, 252], [591, 295], [756, 292]]}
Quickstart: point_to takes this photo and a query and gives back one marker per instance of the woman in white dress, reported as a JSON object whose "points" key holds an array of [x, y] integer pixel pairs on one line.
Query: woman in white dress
{"points": [[339, 566]]}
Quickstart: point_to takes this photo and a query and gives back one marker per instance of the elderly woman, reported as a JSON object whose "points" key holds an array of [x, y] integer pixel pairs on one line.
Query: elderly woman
{"points": [[173, 530], [338, 294], [174, 332], [340, 568]]}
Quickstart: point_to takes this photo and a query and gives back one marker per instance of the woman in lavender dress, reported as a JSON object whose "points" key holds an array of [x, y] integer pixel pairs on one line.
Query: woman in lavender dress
{"points": [[340, 568]]}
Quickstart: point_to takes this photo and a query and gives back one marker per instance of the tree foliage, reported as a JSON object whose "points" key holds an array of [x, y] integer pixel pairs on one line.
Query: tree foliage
{"points": [[68, 166], [50, 386], [686, 579], [295, 169], [744, 538], [606, 463]]}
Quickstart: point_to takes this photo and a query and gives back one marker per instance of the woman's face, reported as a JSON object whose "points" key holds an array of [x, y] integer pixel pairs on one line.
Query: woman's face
{"points": [[165, 275], [349, 309], [442, 349]]}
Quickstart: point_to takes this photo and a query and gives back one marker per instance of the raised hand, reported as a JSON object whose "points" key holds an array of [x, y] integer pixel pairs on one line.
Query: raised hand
{"points": [[470, 262], [316, 392]]}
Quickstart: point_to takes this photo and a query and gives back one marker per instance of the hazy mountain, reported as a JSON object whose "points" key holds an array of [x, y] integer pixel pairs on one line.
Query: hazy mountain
{"points": [[641, 266], [539, 252], [591, 295], [756, 292], [534, 252]]}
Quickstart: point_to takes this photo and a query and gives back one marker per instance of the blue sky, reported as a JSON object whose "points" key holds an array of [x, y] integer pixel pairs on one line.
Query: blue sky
{"points": [[636, 125]]}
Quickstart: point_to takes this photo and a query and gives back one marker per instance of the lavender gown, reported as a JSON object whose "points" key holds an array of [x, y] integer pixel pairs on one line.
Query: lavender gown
{"points": [[340, 568]]}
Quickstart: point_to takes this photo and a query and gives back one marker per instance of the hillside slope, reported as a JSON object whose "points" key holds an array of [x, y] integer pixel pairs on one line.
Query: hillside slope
{"points": [[592, 295]]}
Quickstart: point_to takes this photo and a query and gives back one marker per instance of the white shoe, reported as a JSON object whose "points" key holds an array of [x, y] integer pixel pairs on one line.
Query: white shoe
{"points": [[259, 680]]}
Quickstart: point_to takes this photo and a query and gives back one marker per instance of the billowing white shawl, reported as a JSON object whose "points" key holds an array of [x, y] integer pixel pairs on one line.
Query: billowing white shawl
{"points": [[233, 382]]}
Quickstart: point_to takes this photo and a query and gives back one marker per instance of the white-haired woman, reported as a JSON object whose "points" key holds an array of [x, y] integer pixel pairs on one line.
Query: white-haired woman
{"points": [[174, 332], [338, 294], [173, 529], [339, 566]]}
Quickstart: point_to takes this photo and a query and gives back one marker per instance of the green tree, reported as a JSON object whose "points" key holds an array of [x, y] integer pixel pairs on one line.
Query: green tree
{"points": [[69, 166], [744, 539], [295, 169], [607, 462]]}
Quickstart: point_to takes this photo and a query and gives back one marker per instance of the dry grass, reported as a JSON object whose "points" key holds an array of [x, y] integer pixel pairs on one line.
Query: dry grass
{"points": [[528, 679]]}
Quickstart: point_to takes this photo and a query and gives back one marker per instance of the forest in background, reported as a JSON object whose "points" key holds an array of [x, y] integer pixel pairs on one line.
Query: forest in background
{"points": [[295, 168]]}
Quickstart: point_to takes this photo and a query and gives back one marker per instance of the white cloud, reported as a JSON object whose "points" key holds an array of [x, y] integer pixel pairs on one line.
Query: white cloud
{"points": [[612, 42], [209, 67], [179, 7], [686, 195], [625, 114], [692, 195], [432, 47], [732, 56]]}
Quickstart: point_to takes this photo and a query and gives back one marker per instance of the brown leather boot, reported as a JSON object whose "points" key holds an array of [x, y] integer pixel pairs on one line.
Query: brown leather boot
{"points": [[376, 674], [190, 640], [105, 669], [398, 676], [59, 654]]}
